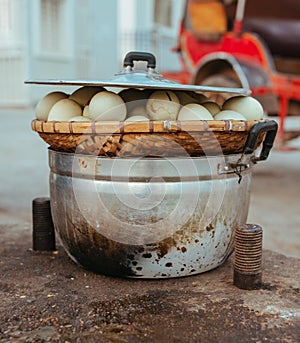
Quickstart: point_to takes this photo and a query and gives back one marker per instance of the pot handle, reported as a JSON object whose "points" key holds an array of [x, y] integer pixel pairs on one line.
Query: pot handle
{"points": [[139, 56], [270, 127]]}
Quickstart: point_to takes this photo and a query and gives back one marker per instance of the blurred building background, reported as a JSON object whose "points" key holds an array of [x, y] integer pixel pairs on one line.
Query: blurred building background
{"points": [[79, 39]]}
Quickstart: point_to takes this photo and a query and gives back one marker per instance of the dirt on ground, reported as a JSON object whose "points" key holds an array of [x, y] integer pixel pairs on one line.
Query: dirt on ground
{"points": [[46, 297]]}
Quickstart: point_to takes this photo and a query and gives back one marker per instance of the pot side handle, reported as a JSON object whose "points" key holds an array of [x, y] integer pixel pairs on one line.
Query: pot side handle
{"points": [[139, 56], [270, 127]]}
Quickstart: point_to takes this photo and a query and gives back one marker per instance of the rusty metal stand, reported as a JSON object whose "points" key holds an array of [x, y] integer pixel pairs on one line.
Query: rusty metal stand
{"points": [[43, 234], [248, 257]]}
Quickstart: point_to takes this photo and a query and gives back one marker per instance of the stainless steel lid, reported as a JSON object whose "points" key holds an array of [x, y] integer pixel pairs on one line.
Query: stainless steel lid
{"points": [[132, 78]]}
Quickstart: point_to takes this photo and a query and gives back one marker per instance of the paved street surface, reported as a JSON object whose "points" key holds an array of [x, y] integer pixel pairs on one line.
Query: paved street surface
{"points": [[46, 297]]}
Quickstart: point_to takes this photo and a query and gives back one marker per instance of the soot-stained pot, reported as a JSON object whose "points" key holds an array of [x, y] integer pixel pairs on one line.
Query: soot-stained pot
{"points": [[151, 217], [148, 217]]}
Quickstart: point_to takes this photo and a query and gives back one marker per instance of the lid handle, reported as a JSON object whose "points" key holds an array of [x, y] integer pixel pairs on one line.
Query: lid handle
{"points": [[139, 56]]}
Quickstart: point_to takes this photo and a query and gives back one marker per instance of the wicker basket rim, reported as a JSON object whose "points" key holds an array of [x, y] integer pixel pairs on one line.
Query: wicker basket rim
{"points": [[122, 127]]}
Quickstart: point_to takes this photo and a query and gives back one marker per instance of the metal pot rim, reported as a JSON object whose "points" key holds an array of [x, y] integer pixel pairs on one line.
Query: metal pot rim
{"points": [[148, 168]]}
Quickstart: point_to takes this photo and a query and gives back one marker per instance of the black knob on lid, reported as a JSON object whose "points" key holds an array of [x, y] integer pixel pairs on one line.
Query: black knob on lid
{"points": [[139, 56]]}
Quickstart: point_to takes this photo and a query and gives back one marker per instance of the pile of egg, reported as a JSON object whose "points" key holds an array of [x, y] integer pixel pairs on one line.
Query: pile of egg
{"points": [[96, 103]]}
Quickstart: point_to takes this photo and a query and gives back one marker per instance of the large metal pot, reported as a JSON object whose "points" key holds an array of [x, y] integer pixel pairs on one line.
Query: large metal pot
{"points": [[152, 217], [147, 217]]}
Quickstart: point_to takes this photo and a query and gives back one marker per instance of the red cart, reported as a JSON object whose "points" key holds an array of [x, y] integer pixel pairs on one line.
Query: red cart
{"points": [[253, 45]]}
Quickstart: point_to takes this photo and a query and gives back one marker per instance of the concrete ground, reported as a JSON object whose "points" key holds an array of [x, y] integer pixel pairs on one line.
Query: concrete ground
{"points": [[45, 297]]}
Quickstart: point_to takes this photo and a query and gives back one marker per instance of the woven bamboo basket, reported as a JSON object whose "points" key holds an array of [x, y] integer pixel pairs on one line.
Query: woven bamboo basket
{"points": [[151, 138]]}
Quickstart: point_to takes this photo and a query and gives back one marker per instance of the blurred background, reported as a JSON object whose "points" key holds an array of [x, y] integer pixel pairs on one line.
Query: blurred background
{"points": [[79, 39], [88, 39]]}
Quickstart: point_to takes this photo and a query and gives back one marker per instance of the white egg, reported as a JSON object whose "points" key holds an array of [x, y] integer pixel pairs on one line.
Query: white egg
{"points": [[199, 97], [137, 118], [249, 107], [131, 94], [84, 94], [107, 106], [138, 111], [163, 105], [190, 97], [64, 109], [79, 118], [184, 98], [229, 115], [86, 111], [194, 112], [212, 107], [45, 104]]}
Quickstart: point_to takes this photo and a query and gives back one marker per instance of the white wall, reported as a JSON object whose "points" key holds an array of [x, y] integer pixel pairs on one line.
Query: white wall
{"points": [[49, 64], [127, 23], [105, 45], [96, 35], [12, 51], [139, 32], [91, 36]]}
